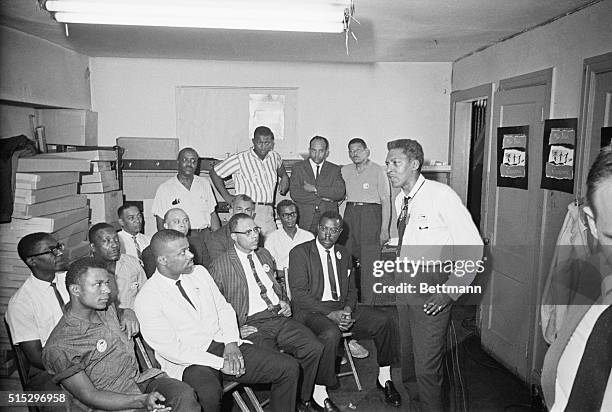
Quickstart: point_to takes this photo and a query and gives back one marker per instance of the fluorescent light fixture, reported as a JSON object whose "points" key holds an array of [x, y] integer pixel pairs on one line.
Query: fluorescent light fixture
{"points": [[329, 16]]}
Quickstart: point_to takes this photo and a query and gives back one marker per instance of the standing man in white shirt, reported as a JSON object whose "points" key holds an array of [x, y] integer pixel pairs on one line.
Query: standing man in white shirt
{"points": [[37, 306], [133, 242], [433, 225], [280, 242], [191, 193], [255, 173], [195, 335]]}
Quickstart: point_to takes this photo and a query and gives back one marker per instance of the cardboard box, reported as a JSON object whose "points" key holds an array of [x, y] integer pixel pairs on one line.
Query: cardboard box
{"points": [[43, 180], [104, 206], [148, 148], [52, 164], [49, 207], [27, 196], [69, 126]]}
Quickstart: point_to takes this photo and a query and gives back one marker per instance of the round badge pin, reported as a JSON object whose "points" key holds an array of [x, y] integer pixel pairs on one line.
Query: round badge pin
{"points": [[266, 267], [338, 255], [101, 346]]}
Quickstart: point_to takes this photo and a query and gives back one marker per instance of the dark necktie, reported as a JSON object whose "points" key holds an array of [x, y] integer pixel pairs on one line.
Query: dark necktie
{"points": [[317, 175], [180, 287], [262, 289], [402, 221], [58, 297], [331, 276]]}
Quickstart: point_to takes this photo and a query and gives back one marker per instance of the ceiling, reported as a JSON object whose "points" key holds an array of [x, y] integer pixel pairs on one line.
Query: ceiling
{"points": [[390, 31]]}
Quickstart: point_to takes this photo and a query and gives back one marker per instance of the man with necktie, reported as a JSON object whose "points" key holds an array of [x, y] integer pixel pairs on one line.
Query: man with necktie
{"points": [[37, 306], [245, 276], [433, 225], [324, 298], [133, 242], [194, 333]]}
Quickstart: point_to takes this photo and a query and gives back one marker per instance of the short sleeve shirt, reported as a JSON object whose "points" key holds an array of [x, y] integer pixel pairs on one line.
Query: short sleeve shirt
{"points": [[369, 186], [130, 278], [33, 311], [100, 349], [252, 176], [279, 244], [198, 202]]}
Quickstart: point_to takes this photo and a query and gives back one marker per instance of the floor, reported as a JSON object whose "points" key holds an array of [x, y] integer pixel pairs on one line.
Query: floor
{"points": [[482, 384]]}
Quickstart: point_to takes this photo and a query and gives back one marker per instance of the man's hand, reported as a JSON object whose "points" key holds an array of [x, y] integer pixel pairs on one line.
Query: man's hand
{"points": [[233, 364], [436, 304], [283, 185], [155, 402], [129, 322], [309, 188], [342, 318], [246, 330], [384, 236], [285, 309]]}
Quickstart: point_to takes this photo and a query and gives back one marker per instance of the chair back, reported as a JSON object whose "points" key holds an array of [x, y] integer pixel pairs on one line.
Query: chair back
{"points": [[145, 354], [23, 366]]}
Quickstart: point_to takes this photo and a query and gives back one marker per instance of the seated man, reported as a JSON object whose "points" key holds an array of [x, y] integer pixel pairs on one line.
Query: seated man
{"points": [[93, 359], [177, 219], [245, 276], [220, 240], [194, 333], [37, 306], [133, 242], [324, 298], [128, 274]]}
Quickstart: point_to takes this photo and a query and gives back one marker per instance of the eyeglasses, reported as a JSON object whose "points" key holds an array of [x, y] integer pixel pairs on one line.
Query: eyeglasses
{"points": [[288, 215], [56, 250], [330, 230], [249, 232]]}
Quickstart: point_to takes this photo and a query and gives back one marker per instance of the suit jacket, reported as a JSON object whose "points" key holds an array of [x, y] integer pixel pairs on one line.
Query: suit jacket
{"points": [[330, 185], [228, 274], [180, 334], [306, 278]]}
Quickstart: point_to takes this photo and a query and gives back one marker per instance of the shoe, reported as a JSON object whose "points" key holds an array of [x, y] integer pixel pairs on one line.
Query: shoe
{"points": [[392, 396], [357, 350], [343, 361], [329, 406]]}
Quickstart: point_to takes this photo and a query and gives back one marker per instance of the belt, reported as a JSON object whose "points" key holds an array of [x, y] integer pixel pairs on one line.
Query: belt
{"points": [[361, 204], [264, 204]]}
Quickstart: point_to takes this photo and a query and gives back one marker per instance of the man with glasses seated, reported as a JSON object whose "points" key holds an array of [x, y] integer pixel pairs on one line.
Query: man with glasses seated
{"points": [[324, 298], [245, 277], [280, 242], [37, 306]]}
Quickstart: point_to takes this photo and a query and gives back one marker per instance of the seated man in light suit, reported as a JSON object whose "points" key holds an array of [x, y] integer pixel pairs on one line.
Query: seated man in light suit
{"points": [[324, 298], [194, 333], [245, 276]]}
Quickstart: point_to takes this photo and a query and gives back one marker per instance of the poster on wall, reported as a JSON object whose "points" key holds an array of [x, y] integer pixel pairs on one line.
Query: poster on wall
{"points": [[267, 110], [606, 137], [512, 156], [558, 154]]}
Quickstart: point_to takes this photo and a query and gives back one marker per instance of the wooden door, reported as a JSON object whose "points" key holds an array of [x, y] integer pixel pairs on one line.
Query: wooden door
{"points": [[512, 224]]}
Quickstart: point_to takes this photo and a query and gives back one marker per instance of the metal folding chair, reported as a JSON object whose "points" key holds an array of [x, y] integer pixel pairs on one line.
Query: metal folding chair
{"points": [[23, 366]]}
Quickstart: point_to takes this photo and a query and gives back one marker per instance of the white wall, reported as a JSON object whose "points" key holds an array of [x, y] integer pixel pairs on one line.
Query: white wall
{"points": [[38, 72], [136, 97], [563, 44]]}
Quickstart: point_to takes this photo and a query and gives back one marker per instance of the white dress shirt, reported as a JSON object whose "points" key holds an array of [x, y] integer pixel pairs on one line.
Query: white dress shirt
{"points": [[33, 311], [127, 242], [256, 302], [313, 166], [198, 202], [180, 334], [279, 244], [327, 295]]}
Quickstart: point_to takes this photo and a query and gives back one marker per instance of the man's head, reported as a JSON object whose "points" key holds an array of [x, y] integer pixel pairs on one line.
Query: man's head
{"points": [[243, 204], [172, 255], [318, 149], [88, 284], [329, 229], [104, 242], [287, 210], [358, 150], [244, 232], [177, 219], [599, 199], [43, 255], [263, 141], [130, 218], [404, 161], [187, 161]]}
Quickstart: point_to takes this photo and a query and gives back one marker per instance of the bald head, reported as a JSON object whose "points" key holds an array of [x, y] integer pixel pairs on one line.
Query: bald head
{"points": [[178, 220]]}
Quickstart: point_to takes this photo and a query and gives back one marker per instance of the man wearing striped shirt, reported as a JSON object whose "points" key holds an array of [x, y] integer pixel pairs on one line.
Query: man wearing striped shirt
{"points": [[255, 173]]}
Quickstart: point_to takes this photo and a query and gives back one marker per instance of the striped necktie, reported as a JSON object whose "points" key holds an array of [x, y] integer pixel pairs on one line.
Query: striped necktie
{"points": [[402, 221], [263, 292]]}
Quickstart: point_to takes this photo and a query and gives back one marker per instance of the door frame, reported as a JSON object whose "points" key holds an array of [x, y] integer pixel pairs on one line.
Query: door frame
{"points": [[460, 138], [591, 68]]}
